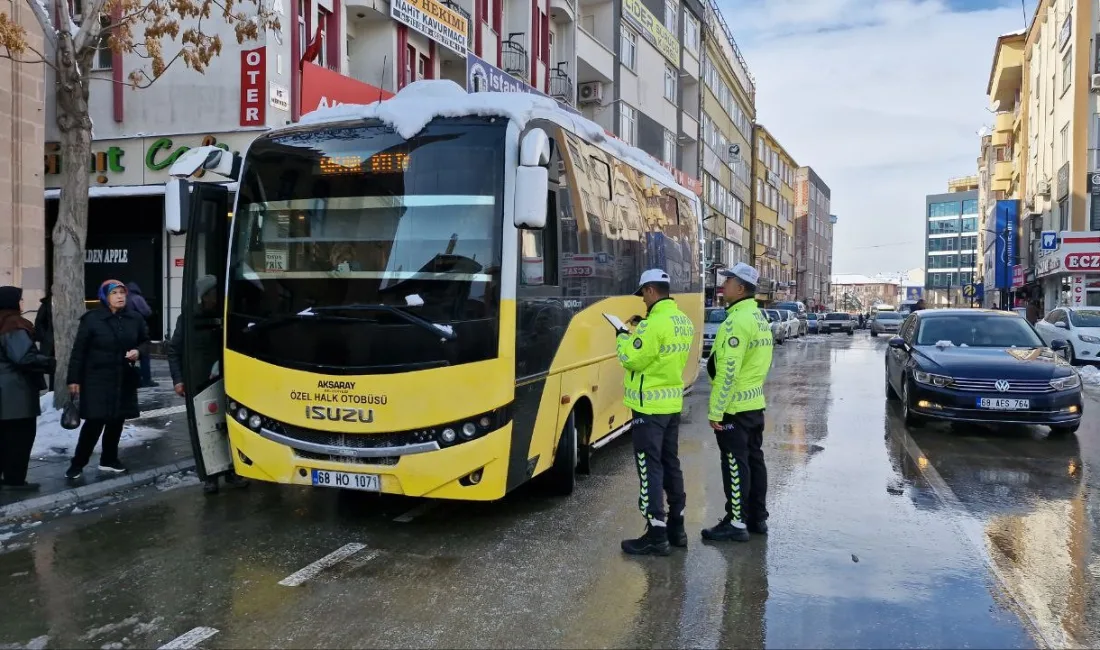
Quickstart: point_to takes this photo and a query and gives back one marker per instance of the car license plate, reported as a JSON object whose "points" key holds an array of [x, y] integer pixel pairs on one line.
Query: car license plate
{"points": [[347, 480], [1003, 404]]}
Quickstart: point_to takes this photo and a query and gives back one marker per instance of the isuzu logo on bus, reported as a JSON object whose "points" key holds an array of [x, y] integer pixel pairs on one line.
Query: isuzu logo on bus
{"points": [[339, 414], [1082, 261]]}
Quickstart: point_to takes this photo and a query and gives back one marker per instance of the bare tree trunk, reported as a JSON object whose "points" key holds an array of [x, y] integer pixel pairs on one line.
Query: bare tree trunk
{"points": [[71, 229]]}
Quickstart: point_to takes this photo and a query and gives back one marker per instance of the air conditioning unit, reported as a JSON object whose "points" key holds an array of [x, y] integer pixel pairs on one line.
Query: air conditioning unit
{"points": [[1043, 187], [590, 92], [1095, 85]]}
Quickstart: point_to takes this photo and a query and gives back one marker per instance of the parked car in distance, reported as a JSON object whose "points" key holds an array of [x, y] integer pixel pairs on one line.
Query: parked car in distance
{"points": [[798, 309], [906, 306], [779, 328], [811, 323], [794, 326], [886, 322], [1079, 327], [838, 321], [712, 318], [981, 365]]}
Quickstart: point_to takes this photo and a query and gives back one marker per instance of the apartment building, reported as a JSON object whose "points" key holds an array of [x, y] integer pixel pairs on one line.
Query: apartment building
{"points": [[859, 293], [773, 216], [22, 234], [638, 67], [813, 238], [1062, 138], [951, 243], [729, 110]]}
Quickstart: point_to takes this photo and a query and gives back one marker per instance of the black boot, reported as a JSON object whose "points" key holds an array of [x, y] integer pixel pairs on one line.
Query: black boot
{"points": [[234, 481], [677, 536], [758, 527], [210, 485], [726, 532], [653, 542]]}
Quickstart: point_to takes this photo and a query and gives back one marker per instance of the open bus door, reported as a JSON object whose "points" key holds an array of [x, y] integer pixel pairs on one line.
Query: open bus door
{"points": [[202, 213]]}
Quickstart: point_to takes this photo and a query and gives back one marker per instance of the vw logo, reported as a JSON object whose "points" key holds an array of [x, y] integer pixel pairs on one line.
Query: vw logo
{"points": [[1001, 385]]}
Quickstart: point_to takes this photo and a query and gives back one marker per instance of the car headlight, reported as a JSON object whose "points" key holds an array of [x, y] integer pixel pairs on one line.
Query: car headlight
{"points": [[1088, 338], [929, 379], [1065, 383]]}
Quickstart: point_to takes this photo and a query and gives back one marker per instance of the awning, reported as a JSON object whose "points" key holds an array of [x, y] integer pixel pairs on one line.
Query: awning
{"points": [[119, 191]]}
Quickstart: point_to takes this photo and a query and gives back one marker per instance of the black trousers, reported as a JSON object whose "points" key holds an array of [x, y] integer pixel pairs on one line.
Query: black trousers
{"points": [[657, 456], [16, 441], [111, 430], [744, 474]]}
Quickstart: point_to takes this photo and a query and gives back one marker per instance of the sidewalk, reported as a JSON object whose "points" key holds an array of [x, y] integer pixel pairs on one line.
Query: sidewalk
{"points": [[153, 445]]}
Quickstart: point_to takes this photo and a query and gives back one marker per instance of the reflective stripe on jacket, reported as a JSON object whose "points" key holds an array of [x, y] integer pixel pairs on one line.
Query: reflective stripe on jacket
{"points": [[741, 357], [654, 357]]}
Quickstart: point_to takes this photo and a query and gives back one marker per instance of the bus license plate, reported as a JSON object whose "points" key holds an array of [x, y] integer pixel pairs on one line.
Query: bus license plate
{"points": [[1003, 404], [347, 480]]}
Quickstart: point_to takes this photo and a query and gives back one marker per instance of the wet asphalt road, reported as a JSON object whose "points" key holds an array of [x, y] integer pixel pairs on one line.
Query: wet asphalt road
{"points": [[880, 537]]}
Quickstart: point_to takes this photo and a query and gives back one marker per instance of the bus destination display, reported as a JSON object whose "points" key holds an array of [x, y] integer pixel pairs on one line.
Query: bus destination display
{"points": [[379, 163]]}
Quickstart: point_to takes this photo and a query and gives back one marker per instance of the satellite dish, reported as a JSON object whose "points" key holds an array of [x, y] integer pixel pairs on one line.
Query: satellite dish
{"points": [[996, 104], [982, 132]]}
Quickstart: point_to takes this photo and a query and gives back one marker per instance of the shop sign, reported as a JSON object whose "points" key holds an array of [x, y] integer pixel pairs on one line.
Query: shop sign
{"points": [[432, 19], [139, 161], [253, 83], [482, 76], [733, 232], [1093, 182], [652, 30], [1077, 291], [1079, 251], [323, 88], [1063, 182], [280, 96], [1017, 276]]}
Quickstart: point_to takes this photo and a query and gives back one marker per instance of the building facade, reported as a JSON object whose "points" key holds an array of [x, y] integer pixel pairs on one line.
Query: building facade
{"points": [[729, 110], [859, 293], [22, 228], [773, 216], [951, 243], [813, 238]]}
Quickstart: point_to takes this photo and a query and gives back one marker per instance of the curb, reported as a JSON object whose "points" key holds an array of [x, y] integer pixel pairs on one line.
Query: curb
{"points": [[75, 496]]}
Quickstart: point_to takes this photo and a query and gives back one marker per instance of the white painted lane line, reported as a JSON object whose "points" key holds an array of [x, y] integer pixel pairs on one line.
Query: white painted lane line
{"points": [[191, 639], [168, 410], [415, 512], [311, 571]]}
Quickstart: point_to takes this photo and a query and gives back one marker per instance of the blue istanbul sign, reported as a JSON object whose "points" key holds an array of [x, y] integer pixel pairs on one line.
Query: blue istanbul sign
{"points": [[482, 77], [1004, 226]]}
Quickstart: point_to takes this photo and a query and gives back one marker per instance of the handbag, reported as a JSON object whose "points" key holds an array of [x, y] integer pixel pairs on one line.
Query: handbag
{"points": [[70, 415]]}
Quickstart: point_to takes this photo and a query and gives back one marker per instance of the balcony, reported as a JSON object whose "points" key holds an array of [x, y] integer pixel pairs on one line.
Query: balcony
{"points": [[1006, 78], [561, 86], [563, 11], [1002, 176], [1002, 128], [595, 61], [514, 57]]}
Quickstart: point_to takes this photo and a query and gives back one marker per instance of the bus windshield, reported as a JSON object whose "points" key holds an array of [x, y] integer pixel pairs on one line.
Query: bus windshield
{"points": [[355, 249]]}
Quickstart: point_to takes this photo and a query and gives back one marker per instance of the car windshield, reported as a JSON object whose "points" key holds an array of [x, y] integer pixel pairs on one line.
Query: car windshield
{"points": [[888, 315], [1085, 317], [837, 316], [811, 316], [773, 314], [716, 315], [978, 331]]}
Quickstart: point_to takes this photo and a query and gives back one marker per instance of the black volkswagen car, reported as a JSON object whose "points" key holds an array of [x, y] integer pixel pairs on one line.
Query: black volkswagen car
{"points": [[977, 365]]}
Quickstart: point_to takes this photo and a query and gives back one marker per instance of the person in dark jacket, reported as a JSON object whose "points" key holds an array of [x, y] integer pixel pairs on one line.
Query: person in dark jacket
{"points": [[135, 301], [21, 368], [206, 347], [102, 373], [43, 330]]}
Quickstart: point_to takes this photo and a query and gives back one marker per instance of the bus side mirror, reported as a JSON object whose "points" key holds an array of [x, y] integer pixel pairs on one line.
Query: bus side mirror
{"points": [[532, 181], [177, 205]]}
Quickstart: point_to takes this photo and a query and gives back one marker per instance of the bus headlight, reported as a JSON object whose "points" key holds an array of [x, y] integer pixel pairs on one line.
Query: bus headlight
{"points": [[242, 414], [468, 430], [447, 435], [254, 422]]}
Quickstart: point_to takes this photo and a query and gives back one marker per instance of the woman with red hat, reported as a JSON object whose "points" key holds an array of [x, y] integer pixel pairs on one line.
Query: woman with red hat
{"points": [[103, 373]]}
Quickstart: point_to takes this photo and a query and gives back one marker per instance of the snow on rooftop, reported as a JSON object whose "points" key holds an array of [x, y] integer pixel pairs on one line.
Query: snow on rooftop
{"points": [[861, 279], [1018, 32], [410, 110]]}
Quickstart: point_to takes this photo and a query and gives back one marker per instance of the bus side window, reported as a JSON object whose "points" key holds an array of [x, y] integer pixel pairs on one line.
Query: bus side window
{"points": [[539, 248]]}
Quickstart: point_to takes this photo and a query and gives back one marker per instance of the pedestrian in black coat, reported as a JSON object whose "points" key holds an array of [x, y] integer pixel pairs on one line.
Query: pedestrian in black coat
{"points": [[43, 330], [21, 370], [103, 373], [135, 301]]}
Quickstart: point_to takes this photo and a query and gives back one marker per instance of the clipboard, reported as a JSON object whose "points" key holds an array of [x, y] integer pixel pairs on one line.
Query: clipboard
{"points": [[616, 323]]}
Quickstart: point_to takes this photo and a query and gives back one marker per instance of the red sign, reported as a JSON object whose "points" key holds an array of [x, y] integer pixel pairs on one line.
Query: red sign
{"points": [[179, 262], [322, 88], [1017, 276], [1083, 262], [253, 83], [1077, 291]]}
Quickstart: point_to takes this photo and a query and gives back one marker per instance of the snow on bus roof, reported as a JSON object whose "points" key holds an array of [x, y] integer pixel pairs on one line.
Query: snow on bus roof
{"points": [[410, 110]]}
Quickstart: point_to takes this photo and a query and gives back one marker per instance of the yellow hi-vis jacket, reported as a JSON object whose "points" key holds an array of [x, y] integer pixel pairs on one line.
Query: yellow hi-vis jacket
{"points": [[740, 359], [654, 357]]}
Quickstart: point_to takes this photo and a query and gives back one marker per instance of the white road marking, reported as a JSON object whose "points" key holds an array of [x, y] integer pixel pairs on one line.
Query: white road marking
{"points": [[415, 512], [311, 571], [168, 410], [190, 639]]}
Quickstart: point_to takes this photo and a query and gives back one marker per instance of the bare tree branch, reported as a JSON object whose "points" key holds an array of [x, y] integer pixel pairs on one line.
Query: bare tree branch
{"points": [[153, 80], [91, 25], [39, 11], [120, 83], [41, 59]]}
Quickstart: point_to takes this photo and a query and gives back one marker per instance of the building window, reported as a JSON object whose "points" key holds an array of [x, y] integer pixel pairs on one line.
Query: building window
{"points": [[628, 48], [670, 83], [670, 148], [303, 39], [628, 125], [691, 33], [672, 15], [1063, 214], [1064, 153], [104, 57], [322, 17], [1067, 69]]}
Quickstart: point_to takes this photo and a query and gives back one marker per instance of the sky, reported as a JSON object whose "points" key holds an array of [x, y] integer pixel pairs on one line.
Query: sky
{"points": [[883, 98]]}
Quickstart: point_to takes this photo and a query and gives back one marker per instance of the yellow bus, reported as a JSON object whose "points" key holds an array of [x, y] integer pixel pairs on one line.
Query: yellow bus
{"points": [[407, 297]]}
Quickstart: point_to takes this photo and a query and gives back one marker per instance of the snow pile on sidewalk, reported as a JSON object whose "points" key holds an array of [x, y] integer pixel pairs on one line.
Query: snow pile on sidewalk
{"points": [[55, 441], [1090, 375]]}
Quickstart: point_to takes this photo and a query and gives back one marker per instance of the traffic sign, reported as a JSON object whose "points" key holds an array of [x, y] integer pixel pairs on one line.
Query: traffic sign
{"points": [[968, 291], [1050, 240]]}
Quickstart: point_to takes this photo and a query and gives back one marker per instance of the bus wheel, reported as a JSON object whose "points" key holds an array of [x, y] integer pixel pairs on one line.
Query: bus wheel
{"points": [[562, 476]]}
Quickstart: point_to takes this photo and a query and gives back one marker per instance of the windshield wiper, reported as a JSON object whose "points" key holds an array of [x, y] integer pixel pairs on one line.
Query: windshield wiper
{"points": [[276, 321], [446, 332]]}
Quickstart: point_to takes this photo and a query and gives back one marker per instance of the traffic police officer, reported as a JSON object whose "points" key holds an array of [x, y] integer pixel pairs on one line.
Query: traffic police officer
{"points": [[738, 366], [654, 356]]}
